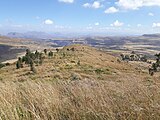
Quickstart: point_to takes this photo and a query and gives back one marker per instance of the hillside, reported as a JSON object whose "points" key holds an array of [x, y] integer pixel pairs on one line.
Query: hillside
{"points": [[152, 35], [10, 48], [80, 82]]}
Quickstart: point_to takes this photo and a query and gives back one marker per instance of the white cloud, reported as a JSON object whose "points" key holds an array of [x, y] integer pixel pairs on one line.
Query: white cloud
{"points": [[139, 25], [66, 1], [97, 23], [86, 5], [156, 25], [111, 10], [48, 22], [95, 4], [136, 4], [117, 24], [150, 14]]}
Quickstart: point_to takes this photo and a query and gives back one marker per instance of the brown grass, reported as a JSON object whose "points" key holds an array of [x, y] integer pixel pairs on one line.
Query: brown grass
{"points": [[99, 88], [77, 100]]}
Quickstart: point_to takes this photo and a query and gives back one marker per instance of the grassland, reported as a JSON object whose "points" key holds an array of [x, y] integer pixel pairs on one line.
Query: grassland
{"points": [[84, 84]]}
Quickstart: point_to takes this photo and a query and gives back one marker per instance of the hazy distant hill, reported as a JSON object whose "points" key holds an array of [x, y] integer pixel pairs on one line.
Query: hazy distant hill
{"points": [[40, 35], [152, 35], [32, 35]]}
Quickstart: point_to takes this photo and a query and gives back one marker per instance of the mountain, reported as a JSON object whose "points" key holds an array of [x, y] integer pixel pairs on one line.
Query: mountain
{"points": [[41, 35], [30, 35], [152, 35]]}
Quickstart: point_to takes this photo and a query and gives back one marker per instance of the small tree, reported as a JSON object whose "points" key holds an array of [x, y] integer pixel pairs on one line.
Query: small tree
{"points": [[37, 54], [32, 67], [50, 54], [122, 56], [41, 58], [2, 65], [158, 59], [45, 51], [154, 66], [28, 52], [18, 64], [57, 50], [132, 57]]}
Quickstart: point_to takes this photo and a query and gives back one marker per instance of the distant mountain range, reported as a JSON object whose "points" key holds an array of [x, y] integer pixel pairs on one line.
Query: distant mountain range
{"points": [[34, 35], [44, 35], [152, 35]]}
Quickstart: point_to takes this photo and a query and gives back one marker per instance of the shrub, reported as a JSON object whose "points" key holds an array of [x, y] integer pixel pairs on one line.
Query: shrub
{"points": [[99, 71], [18, 64], [45, 51], [7, 64], [50, 54], [32, 67], [2, 65]]}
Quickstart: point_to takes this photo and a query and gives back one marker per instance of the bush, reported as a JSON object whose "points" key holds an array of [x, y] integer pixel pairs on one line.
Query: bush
{"points": [[18, 64], [99, 71], [7, 64], [45, 51], [32, 66], [2, 65], [50, 54]]}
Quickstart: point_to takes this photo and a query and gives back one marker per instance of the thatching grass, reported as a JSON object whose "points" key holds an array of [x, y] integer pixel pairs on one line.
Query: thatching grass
{"points": [[78, 100]]}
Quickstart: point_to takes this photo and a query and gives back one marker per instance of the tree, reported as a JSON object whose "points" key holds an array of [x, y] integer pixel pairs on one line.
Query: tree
{"points": [[45, 51], [50, 54], [158, 58], [28, 51], [37, 54], [154, 66], [32, 67], [122, 56], [151, 71], [132, 57], [41, 58], [2, 65], [57, 50], [18, 64]]}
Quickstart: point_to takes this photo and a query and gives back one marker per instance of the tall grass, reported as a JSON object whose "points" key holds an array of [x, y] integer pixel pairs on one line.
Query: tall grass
{"points": [[78, 100]]}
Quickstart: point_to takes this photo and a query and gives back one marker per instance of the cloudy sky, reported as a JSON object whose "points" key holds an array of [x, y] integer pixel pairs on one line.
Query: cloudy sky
{"points": [[81, 16]]}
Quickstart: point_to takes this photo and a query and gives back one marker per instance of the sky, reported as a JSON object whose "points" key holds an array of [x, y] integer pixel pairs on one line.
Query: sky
{"points": [[110, 17]]}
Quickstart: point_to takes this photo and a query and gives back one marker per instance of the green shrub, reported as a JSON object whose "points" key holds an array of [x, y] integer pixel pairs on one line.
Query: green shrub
{"points": [[99, 71], [2, 65]]}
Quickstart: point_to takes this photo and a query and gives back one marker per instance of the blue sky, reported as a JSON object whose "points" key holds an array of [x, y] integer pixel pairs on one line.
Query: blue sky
{"points": [[81, 16]]}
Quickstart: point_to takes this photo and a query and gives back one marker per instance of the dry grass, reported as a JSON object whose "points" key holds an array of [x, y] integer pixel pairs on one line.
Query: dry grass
{"points": [[77, 100], [99, 88]]}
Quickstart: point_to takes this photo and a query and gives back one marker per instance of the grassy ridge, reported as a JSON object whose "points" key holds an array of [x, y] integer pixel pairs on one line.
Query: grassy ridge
{"points": [[99, 87]]}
